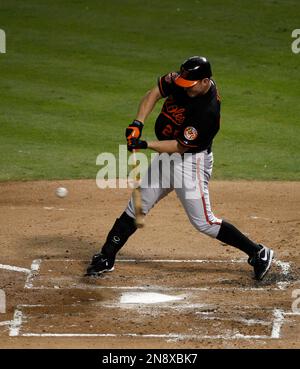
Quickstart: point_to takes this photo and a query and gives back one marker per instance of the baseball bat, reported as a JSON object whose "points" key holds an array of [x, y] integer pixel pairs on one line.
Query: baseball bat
{"points": [[136, 195]]}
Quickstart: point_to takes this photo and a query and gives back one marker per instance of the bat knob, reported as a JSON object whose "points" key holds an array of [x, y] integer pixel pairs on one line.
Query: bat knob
{"points": [[140, 222]]}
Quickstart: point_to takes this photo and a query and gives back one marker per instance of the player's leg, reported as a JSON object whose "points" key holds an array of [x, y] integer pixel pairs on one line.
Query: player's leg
{"points": [[194, 194], [197, 206], [104, 260], [260, 256], [155, 185], [152, 191]]}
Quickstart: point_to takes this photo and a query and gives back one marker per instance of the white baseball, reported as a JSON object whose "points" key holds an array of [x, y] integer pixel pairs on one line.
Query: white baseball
{"points": [[61, 192]]}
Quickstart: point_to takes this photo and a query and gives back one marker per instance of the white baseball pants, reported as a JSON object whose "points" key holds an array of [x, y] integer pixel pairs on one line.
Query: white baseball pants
{"points": [[189, 176]]}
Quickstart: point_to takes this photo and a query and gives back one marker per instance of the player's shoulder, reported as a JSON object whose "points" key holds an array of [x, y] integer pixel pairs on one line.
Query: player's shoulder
{"points": [[215, 91], [166, 84], [213, 98], [213, 106]]}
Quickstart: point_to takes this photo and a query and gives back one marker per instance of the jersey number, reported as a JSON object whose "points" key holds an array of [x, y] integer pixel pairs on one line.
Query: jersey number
{"points": [[168, 130]]}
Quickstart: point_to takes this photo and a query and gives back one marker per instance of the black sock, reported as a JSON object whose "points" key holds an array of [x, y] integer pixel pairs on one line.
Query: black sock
{"points": [[230, 235], [123, 228]]}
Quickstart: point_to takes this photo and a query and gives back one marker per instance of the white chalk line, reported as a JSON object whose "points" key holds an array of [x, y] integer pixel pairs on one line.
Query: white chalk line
{"points": [[35, 267], [153, 288], [16, 323], [248, 322], [135, 335], [14, 268], [159, 260], [285, 266], [222, 261], [283, 285], [277, 323], [279, 317]]}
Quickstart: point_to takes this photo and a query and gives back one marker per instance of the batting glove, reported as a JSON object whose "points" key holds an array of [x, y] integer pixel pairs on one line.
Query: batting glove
{"points": [[134, 130], [136, 144]]}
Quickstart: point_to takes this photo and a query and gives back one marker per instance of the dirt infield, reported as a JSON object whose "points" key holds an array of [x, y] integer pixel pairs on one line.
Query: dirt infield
{"points": [[172, 287]]}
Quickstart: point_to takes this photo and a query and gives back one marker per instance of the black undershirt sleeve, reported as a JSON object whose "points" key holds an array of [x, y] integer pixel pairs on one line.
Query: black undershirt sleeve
{"points": [[166, 84]]}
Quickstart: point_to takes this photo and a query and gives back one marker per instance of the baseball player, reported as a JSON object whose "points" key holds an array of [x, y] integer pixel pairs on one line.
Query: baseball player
{"points": [[186, 125]]}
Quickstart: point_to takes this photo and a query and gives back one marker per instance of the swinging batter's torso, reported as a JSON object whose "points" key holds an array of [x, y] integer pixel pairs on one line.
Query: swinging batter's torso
{"points": [[192, 121]]}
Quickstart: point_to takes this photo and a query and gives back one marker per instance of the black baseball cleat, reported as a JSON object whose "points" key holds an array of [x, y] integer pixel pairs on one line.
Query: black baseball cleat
{"points": [[100, 263], [261, 262]]}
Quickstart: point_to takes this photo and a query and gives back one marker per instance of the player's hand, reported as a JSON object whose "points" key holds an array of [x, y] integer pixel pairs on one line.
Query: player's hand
{"points": [[136, 144], [134, 130]]}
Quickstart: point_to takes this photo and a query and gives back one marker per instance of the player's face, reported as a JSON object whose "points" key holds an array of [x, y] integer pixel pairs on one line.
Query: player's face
{"points": [[200, 88]]}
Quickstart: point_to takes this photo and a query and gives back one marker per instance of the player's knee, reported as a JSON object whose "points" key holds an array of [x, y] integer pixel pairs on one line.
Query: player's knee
{"points": [[130, 210], [209, 228]]}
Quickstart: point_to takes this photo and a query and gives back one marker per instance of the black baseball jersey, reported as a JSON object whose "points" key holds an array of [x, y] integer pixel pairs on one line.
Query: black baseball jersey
{"points": [[192, 121]]}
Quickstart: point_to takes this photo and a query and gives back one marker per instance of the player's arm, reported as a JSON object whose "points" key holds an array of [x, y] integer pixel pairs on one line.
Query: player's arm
{"points": [[147, 104], [134, 130], [167, 146]]}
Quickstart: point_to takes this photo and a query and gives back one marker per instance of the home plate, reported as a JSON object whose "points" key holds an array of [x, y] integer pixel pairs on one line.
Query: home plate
{"points": [[147, 298]]}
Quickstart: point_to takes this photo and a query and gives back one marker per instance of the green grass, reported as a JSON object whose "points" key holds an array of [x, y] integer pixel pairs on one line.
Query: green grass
{"points": [[75, 70]]}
